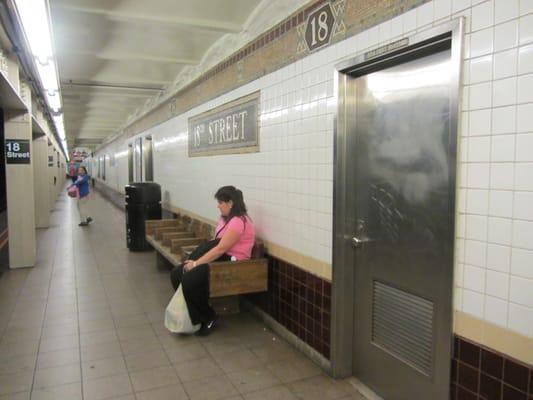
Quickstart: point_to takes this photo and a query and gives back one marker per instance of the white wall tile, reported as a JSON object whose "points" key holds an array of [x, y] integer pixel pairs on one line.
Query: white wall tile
{"points": [[521, 291], [523, 205], [503, 148], [524, 176], [504, 92], [480, 69], [477, 201], [442, 8], [505, 10], [526, 7], [479, 149], [409, 21], [526, 29], [481, 42], [502, 176], [478, 175], [482, 16], [501, 203], [506, 35], [474, 278], [524, 144], [496, 311], [503, 120], [473, 303], [476, 227], [500, 230], [459, 5], [498, 257], [521, 319], [476, 253], [525, 88], [497, 284], [480, 123], [480, 95], [525, 59], [505, 64], [396, 26], [424, 14], [525, 118], [523, 234], [522, 263]]}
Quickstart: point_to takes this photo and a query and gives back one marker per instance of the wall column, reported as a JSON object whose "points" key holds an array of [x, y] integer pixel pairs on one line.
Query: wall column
{"points": [[41, 182], [20, 191]]}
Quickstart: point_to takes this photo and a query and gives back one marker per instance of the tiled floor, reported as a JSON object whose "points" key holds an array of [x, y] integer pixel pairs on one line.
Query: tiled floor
{"points": [[87, 323]]}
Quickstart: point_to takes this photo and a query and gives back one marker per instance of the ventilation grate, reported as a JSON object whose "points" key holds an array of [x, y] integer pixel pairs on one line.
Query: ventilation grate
{"points": [[402, 324]]}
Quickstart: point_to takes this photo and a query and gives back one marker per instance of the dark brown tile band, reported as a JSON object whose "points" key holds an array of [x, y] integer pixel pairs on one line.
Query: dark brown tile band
{"points": [[484, 374], [300, 301]]}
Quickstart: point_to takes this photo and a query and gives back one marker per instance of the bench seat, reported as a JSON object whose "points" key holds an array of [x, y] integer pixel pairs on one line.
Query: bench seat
{"points": [[227, 278]]}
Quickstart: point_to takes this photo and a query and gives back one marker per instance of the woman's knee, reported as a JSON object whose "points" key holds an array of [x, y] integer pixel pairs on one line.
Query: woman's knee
{"points": [[176, 276]]}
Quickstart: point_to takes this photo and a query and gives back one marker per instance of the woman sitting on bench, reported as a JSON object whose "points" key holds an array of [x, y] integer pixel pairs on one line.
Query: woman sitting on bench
{"points": [[234, 239]]}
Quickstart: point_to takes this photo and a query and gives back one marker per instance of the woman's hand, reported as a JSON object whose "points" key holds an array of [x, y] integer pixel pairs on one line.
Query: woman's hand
{"points": [[189, 264]]}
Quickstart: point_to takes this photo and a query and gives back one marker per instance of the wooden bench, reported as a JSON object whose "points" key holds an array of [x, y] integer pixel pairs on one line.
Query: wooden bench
{"points": [[175, 239]]}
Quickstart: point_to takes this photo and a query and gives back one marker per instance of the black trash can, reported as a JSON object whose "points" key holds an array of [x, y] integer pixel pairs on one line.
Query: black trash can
{"points": [[143, 202]]}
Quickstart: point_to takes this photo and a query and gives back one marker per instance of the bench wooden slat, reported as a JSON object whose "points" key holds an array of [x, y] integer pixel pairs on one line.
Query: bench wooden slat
{"points": [[167, 237], [176, 244], [230, 278], [158, 233], [152, 224]]}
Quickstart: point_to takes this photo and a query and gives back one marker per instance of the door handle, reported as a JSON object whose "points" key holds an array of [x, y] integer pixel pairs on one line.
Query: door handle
{"points": [[358, 242]]}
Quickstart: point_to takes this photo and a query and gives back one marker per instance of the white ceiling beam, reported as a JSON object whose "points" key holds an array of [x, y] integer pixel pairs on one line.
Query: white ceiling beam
{"points": [[128, 56], [193, 23]]}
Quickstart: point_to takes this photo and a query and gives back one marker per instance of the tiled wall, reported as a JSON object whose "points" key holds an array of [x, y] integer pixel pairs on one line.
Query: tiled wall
{"points": [[288, 185], [299, 301], [480, 373], [494, 271]]}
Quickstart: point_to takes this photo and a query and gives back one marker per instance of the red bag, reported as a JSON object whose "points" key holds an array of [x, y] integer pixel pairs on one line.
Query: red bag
{"points": [[73, 191]]}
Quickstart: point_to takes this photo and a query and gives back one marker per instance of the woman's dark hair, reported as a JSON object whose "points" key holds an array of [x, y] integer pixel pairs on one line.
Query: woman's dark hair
{"points": [[227, 193], [84, 169]]}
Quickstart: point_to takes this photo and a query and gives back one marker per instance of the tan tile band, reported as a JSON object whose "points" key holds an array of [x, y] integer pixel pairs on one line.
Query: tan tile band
{"points": [[309, 264], [495, 337]]}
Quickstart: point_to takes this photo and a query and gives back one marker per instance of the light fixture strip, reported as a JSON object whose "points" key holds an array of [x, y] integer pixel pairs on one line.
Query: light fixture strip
{"points": [[34, 18]]}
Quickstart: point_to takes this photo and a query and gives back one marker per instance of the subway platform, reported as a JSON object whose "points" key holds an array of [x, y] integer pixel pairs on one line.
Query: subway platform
{"points": [[87, 323]]}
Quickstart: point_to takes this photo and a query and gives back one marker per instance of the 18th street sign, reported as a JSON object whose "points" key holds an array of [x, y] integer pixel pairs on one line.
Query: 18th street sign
{"points": [[230, 128], [17, 151], [319, 27]]}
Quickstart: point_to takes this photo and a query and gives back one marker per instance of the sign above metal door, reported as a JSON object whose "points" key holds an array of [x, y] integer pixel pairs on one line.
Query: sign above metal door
{"points": [[229, 129]]}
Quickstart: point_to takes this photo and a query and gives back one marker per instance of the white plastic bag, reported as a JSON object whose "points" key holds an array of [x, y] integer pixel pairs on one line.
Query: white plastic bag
{"points": [[177, 319]]}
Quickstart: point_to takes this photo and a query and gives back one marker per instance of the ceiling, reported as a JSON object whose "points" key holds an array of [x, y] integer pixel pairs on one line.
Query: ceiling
{"points": [[114, 55]]}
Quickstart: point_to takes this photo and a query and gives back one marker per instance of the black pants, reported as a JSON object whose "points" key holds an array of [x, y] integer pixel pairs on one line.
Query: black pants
{"points": [[195, 284]]}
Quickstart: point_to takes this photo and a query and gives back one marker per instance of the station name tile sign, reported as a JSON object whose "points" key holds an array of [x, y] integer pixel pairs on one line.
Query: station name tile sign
{"points": [[17, 151], [229, 129]]}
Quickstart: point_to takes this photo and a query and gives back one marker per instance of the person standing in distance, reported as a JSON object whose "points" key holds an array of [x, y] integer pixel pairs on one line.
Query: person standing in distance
{"points": [[82, 182]]}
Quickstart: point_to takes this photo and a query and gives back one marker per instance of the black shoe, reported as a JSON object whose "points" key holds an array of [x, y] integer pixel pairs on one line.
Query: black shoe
{"points": [[89, 220], [207, 327], [83, 224]]}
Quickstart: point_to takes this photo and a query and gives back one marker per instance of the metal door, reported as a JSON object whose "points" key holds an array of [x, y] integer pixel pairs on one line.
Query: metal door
{"points": [[399, 219]]}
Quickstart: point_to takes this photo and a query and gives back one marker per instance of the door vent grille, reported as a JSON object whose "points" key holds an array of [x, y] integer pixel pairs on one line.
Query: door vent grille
{"points": [[402, 324]]}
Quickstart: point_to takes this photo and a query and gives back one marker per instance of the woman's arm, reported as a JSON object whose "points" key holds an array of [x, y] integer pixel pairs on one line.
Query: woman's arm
{"points": [[84, 179], [228, 240]]}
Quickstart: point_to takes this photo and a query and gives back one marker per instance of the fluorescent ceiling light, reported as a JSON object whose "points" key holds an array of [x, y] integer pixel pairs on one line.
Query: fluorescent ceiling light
{"points": [[54, 100], [34, 17], [47, 73]]}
